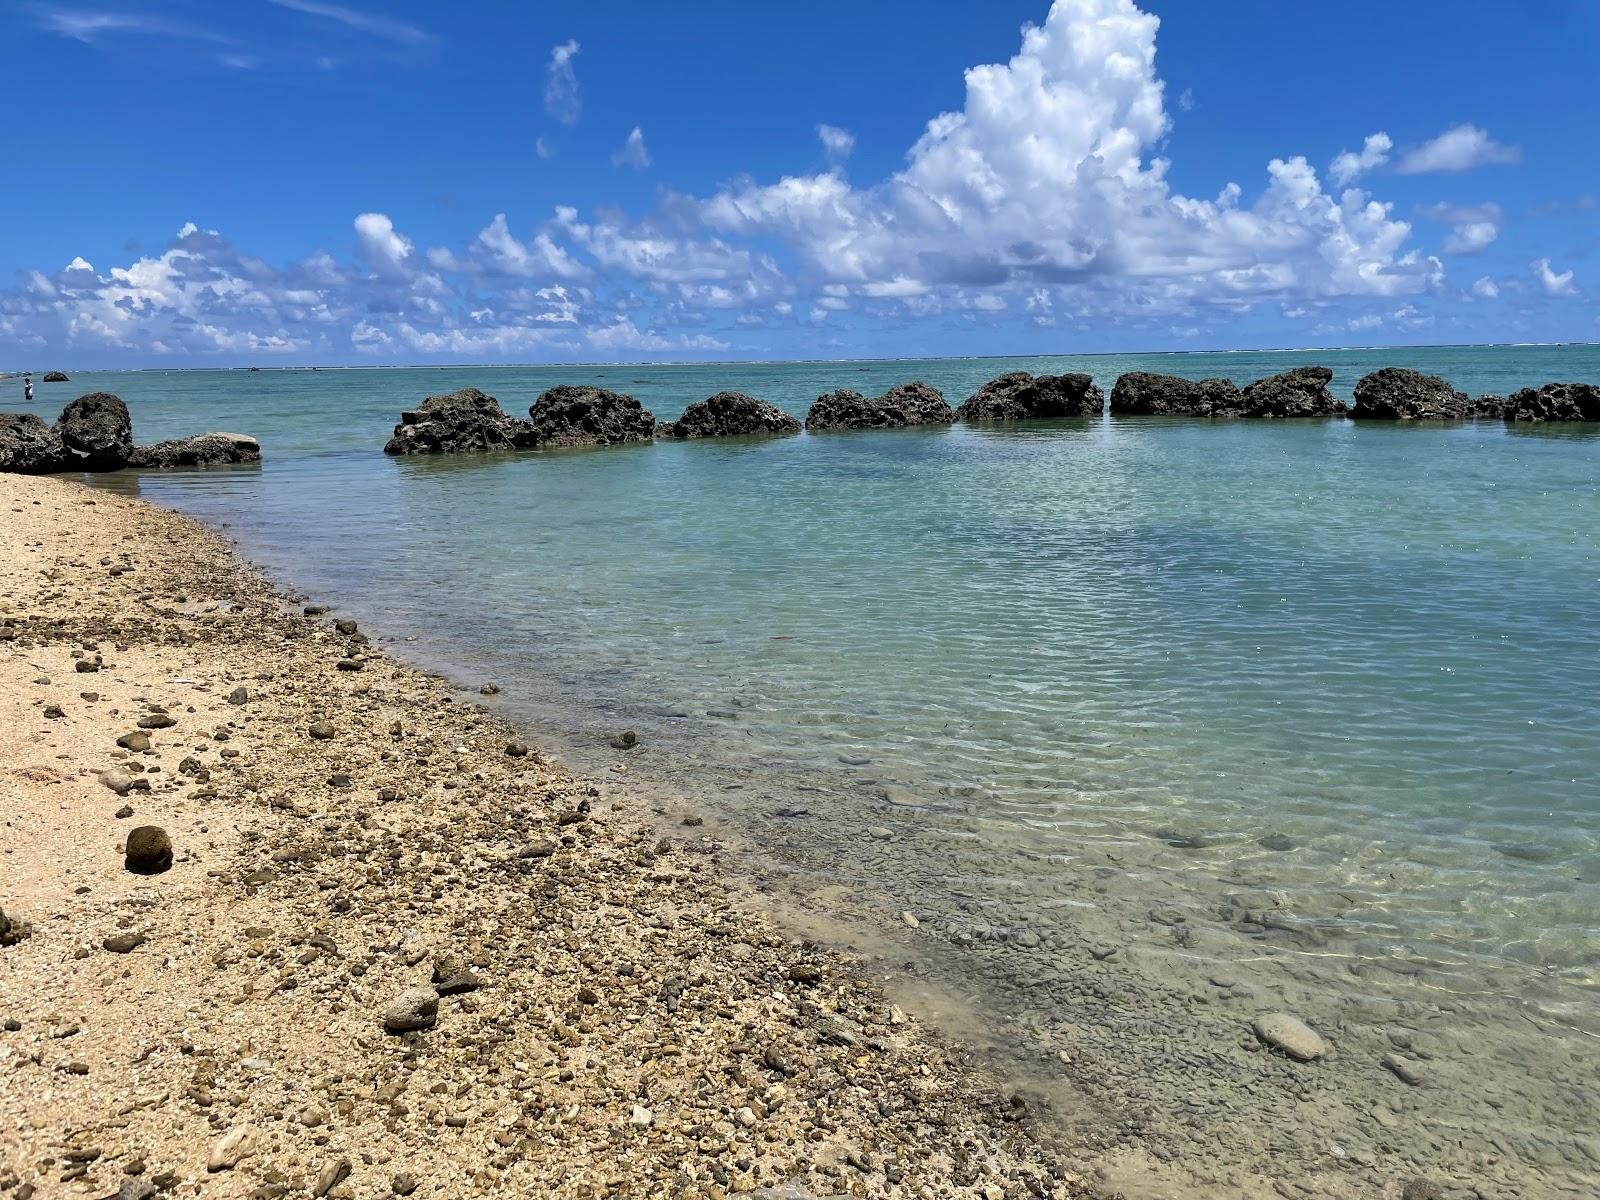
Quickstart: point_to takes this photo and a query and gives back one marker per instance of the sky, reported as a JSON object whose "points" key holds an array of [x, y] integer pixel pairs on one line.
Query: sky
{"points": [[289, 182]]}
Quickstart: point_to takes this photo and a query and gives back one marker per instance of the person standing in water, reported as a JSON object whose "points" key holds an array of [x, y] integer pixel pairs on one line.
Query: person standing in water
{"points": [[27, 389]]}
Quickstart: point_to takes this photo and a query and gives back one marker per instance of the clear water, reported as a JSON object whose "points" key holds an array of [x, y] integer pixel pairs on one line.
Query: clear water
{"points": [[1146, 642]]}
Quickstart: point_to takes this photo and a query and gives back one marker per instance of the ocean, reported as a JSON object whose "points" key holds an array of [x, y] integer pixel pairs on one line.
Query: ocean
{"points": [[1101, 736]]}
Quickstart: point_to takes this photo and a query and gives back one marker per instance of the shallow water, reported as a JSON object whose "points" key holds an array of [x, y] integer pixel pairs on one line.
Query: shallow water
{"points": [[1322, 697]]}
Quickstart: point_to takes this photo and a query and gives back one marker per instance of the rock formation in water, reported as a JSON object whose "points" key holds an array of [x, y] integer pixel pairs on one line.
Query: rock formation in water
{"points": [[98, 427], [1147, 394], [1302, 392], [461, 421], [54, 377], [729, 414], [1019, 396], [589, 416], [902, 405], [30, 447], [1401, 394], [1555, 402], [201, 450]]}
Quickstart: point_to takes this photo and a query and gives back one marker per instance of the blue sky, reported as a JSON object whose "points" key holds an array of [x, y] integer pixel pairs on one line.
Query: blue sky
{"points": [[303, 181]]}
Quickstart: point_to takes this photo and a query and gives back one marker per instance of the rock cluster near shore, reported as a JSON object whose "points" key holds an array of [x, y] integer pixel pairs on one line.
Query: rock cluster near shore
{"points": [[458, 422], [354, 938], [589, 416], [95, 433], [729, 414], [903, 405], [1019, 396]]}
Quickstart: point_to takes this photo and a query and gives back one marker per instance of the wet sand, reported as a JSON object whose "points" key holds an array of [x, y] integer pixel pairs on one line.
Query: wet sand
{"points": [[598, 1009]]}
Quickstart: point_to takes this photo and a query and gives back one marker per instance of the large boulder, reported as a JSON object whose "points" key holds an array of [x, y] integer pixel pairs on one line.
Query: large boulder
{"points": [[1401, 394], [98, 427], [54, 377], [1019, 396], [589, 416], [1302, 392], [461, 421], [1147, 394], [30, 447], [729, 414], [1487, 407], [902, 405], [201, 450], [1555, 402]]}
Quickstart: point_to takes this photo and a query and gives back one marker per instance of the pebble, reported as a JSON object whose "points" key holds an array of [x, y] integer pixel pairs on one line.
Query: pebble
{"points": [[137, 742], [1421, 1189], [331, 1176], [231, 1148], [1276, 841], [149, 850], [123, 943], [1403, 1069], [403, 1184], [321, 731], [626, 740], [239, 695], [136, 1189], [641, 1116], [157, 721], [411, 1010], [53, 712], [1289, 1033], [119, 781], [345, 626], [517, 749]]}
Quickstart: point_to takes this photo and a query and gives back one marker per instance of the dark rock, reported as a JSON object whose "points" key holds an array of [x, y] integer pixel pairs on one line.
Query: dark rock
{"points": [[321, 731], [589, 416], [902, 405], [1302, 392], [149, 850], [345, 626], [626, 740], [517, 749], [12, 929], [1147, 394], [53, 377], [1555, 402], [157, 721], [30, 447], [137, 742], [98, 427], [729, 414], [459, 422], [1488, 408], [1019, 396], [239, 695], [123, 943], [1421, 1189], [201, 450], [1401, 394]]}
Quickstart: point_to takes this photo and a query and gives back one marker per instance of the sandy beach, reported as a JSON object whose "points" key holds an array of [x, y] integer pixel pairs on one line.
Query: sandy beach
{"points": [[396, 951]]}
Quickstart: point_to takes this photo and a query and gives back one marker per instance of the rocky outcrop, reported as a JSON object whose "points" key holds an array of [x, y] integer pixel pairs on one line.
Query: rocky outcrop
{"points": [[729, 414], [98, 427], [1147, 394], [1401, 394], [201, 450], [589, 416], [902, 405], [1488, 407], [459, 422], [30, 447], [1555, 402], [1302, 392], [1019, 396], [54, 377]]}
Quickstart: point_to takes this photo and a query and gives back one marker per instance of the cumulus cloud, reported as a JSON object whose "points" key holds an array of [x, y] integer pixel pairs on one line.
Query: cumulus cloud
{"points": [[388, 250], [634, 152], [1485, 288], [1459, 148], [1043, 177], [836, 143], [1351, 164], [561, 98], [1552, 283], [1472, 227]]}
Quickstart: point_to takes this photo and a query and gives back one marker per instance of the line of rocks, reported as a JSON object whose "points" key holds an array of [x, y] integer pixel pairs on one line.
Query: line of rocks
{"points": [[95, 433]]}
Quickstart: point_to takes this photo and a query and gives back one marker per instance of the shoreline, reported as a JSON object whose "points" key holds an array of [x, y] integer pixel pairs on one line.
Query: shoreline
{"points": [[612, 1019]]}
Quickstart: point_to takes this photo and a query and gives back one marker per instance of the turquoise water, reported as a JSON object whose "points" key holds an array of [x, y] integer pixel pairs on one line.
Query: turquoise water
{"points": [[1018, 654]]}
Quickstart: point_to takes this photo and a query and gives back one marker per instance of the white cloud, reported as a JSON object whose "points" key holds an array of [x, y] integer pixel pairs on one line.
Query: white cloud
{"points": [[836, 143], [1485, 288], [362, 22], [542, 148], [1473, 227], [634, 152], [90, 26], [386, 248], [499, 250], [1349, 164], [1458, 148], [1553, 284], [1042, 178], [561, 99], [1186, 100]]}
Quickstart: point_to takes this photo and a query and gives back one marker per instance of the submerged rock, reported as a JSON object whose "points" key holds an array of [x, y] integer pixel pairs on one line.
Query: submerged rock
{"points": [[1290, 1034], [1147, 394], [201, 450], [589, 416], [729, 414], [98, 427], [1401, 394], [1555, 402], [1019, 396], [30, 447], [901, 406], [1302, 392], [458, 422]]}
